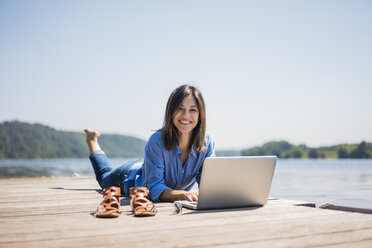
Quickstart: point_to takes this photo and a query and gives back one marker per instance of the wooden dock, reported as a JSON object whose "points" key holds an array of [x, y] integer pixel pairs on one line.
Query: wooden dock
{"points": [[56, 212]]}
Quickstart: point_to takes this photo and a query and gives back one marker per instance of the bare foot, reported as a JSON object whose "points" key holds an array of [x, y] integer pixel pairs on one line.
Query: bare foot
{"points": [[92, 140]]}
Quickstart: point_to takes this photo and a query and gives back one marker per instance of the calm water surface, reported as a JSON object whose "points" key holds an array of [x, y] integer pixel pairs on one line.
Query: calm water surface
{"points": [[343, 182]]}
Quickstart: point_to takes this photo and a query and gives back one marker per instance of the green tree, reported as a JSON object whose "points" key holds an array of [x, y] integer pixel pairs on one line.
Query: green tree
{"points": [[23, 140], [278, 148], [363, 150], [342, 153], [296, 153], [313, 153]]}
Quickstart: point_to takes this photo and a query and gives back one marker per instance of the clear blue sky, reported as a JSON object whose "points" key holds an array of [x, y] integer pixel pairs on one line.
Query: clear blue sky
{"points": [[269, 70]]}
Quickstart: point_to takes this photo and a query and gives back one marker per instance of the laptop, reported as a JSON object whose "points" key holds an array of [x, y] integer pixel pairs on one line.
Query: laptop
{"points": [[231, 182]]}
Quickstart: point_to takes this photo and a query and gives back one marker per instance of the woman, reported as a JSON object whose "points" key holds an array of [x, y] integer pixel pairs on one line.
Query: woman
{"points": [[174, 155]]}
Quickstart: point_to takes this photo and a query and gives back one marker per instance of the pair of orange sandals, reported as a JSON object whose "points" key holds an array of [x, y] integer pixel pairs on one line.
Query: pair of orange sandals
{"points": [[139, 202]]}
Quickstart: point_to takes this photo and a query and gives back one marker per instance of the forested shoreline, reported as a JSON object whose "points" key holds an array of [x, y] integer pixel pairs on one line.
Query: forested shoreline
{"points": [[21, 140], [284, 149]]}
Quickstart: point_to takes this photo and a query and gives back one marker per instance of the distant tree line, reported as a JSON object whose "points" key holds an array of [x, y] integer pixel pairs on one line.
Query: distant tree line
{"points": [[284, 149], [19, 140]]}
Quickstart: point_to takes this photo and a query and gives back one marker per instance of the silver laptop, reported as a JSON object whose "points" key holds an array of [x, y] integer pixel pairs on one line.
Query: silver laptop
{"points": [[229, 182]]}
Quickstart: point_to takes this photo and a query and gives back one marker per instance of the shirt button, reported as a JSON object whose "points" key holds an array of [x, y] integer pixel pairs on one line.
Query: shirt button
{"points": [[183, 171]]}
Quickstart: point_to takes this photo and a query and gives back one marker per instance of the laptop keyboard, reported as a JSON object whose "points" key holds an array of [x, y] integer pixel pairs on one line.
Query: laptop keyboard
{"points": [[178, 205], [185, 202]]}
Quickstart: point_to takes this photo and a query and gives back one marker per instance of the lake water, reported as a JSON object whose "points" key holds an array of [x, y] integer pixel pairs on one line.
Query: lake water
{"points": [[343, 182]]}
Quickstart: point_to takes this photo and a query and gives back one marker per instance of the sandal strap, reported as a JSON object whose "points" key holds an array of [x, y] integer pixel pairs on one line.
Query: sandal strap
{"points": [[148, 208], [141, 205], [113, 190], [103, 209], [107, 208], [135, 191], [144, 203], [109, 201]]}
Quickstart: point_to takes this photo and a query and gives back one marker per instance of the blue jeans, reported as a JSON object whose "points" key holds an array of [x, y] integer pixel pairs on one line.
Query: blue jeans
{"points": [[105, 175]]}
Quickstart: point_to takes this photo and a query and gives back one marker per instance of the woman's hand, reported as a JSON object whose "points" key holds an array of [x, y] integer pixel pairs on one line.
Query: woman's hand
{"points": [[191, 196], [171, 195]]}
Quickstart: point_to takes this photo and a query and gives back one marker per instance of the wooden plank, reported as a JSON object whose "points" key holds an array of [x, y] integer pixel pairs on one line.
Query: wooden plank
{"points": [[199, 236], [58, 219]]}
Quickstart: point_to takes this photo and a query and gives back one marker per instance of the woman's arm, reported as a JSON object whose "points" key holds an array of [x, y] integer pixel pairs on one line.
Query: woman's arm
{"points": [[153, 170], [171, 195]]}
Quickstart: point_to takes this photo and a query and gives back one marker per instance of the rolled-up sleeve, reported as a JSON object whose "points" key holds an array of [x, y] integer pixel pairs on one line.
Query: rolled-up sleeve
{"points": [[154, 169]]}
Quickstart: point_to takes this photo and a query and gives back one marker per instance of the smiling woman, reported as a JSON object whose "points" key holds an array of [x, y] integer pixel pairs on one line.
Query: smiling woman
{"points": [[173, 161], [187, 115], [185, 120]]}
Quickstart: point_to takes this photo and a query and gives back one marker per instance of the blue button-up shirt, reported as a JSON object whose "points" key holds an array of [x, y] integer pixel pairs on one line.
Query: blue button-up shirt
{"points": [[162, 169]]}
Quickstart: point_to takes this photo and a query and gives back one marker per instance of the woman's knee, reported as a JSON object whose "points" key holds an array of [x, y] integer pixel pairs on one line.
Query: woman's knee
{"points": [[104, 179]]}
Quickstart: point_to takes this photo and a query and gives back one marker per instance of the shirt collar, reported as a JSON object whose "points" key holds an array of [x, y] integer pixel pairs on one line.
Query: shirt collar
{"points": [[192, 151]]}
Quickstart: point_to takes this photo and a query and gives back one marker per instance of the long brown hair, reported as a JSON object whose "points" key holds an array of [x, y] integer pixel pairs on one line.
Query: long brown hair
{"points": [[171, 135]]}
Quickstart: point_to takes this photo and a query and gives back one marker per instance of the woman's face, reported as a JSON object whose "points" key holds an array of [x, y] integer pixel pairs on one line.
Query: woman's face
{"points": [[186, 116]]}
